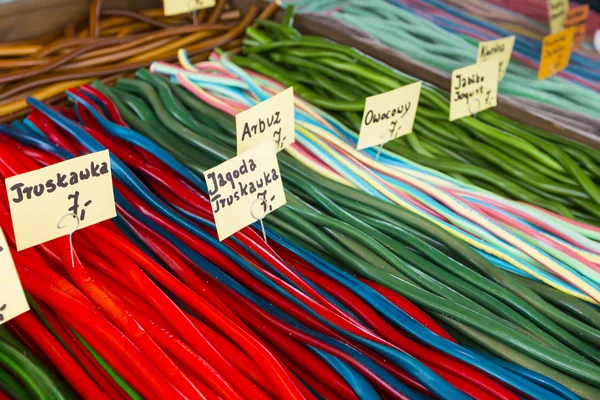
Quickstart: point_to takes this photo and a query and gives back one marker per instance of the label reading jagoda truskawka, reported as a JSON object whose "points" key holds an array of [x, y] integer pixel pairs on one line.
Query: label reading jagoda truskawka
{"points": [[499, 49], [39, 199], [245, 188], [12, 297], [272, 119], [474, 89], [389, 115]]}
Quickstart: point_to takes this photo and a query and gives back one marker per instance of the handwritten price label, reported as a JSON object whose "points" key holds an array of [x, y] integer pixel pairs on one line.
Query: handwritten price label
{"points": [[12, 297], [474, 89], [389, 115], [175, 7], [244, 188], [272, 119], [557, 12], [40, 198], [499, 49], [577, 19], [556, 52]]}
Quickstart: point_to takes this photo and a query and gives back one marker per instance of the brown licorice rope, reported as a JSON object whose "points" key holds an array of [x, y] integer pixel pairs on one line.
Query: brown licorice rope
{"points": [[113, 43]]}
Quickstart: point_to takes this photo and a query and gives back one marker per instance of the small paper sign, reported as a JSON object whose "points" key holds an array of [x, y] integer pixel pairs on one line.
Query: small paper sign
{"points": [[12, 297], [39, 199], [577, 19], [556, 51], [272, 119], [389, 115], [474, 89], [175, 7], [245, 188], [499, 49], [557, 12]]}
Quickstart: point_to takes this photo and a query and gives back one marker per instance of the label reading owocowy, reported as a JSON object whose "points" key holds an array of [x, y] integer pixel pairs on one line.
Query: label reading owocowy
{"points": [[499, 49], [556, 52], [557, 12], [12, 297], [39, 199], [272, 119], [389, 115], [245, 188], [175, 7], [474, 89]]}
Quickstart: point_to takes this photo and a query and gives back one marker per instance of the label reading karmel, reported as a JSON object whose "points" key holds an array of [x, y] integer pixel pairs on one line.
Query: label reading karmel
{"points": [[577, 19], [389, 115], [12, 297], [39, 199], [499, 49], [556, 51], [175, 7], [245, 188], [474, 89], [557, 12], [272, 119]]}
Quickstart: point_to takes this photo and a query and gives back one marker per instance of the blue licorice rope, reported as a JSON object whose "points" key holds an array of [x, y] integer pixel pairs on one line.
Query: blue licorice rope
{"points": [[202, 221], [119, 167], [425, 375]]}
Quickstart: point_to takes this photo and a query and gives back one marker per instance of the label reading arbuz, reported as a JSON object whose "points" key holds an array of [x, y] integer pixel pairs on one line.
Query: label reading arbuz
{"points": [[474, 89], [12, 297], [247, 184], [389, 115], [499, 49], [39, 199], [272, 119]]}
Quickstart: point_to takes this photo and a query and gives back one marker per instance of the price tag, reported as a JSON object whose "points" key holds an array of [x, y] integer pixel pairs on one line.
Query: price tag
{"points": [[245, 188], [389, 115], [557, 12], [500, 49], [12, 297], [474, 89], [39, 199], [272, 119], [175, 7], [577, 19], [556, 51]]}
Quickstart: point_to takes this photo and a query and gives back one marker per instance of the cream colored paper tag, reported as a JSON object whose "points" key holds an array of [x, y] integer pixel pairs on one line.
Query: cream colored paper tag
{"points": [[474, 89], [271, 119], [175, 7], [556, 52], [577, 18], [389, 115], [245, 188], [12, 297], [499, 49], [557, 12], [40, 198]]}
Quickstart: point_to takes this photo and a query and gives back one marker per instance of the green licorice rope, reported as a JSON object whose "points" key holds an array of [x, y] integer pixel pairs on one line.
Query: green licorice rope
{"points": [[52, 376], [31, 376], [12, 387], [317, 218], [118, 380], [425, 41], [111, 372], [509, 159]]}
